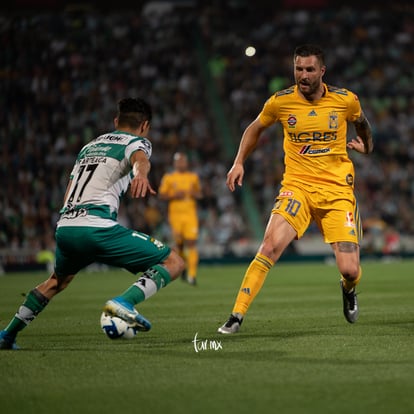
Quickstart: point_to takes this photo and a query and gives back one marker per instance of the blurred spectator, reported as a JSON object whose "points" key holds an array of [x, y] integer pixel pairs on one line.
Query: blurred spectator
{"points": [[372, 49], [60, 72]]}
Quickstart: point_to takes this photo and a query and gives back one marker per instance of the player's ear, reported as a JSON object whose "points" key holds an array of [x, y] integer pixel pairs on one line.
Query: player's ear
{"points": [[116, 122], [145, 126]]}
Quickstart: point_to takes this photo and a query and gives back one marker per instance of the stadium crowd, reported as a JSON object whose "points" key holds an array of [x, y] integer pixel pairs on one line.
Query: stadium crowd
{"points": [[369, 51], [61, 73]]}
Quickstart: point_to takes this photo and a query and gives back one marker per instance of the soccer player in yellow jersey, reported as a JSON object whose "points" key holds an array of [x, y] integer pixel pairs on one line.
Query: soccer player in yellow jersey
{"points": [[182, 188], [318, 181]]}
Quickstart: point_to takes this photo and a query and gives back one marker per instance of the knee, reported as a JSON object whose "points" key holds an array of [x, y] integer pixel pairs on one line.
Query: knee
{"points": [[191, 244], [270, 249], [350, 272]]}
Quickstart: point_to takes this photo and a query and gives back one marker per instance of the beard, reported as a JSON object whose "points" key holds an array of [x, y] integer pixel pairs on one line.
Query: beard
{"points": [[309, 89]]}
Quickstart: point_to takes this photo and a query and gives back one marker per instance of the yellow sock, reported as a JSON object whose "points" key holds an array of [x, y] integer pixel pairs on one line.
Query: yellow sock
{"points": [[350, 284], [252, 283], [192, 261]]}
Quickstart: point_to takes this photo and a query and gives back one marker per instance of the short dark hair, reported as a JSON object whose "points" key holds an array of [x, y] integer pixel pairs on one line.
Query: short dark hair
{"points": [[133, 112], [310, 50]]}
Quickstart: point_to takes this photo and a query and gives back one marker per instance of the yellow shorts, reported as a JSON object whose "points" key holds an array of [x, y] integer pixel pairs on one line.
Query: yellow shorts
{"points": [[184, 227], [335, 212]]}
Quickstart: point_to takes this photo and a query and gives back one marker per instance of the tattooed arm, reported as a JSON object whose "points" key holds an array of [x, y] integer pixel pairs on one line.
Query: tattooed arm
{"points": [[363, 142]]}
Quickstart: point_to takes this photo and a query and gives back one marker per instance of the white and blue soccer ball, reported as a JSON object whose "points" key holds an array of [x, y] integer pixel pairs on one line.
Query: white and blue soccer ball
{"points": [[116, 328]]}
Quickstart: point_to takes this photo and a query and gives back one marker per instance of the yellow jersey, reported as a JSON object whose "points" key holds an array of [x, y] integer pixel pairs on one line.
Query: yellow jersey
{"points": [[187, 182], [315, 135]]}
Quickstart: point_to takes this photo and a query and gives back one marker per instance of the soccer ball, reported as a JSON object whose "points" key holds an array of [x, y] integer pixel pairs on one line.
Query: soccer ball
{"points": [[116, 328]]}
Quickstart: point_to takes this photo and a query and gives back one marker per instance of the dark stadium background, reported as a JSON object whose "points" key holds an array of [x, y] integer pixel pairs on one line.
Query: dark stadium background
{"points": [[64, 64]]}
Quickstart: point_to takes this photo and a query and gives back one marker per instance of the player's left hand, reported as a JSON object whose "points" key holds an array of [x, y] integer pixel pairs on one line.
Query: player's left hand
{"points": [[140, 187], [356, 144]]}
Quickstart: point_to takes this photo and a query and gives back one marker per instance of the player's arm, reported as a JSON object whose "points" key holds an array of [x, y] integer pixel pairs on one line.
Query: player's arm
{"points": [[167, 190], [363, 143], [141, 166], [197, 192], [247, 145], [163, 193], [65, 198]]}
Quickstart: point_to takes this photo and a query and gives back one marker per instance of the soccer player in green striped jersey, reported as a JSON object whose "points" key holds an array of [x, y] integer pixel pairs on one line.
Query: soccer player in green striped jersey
{"points": [[87, 230]]}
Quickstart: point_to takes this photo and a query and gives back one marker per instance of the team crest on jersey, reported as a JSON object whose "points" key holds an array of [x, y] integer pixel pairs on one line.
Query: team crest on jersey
{"points": [[333, 120], [292, 120], [349, 179], [349, 219]]}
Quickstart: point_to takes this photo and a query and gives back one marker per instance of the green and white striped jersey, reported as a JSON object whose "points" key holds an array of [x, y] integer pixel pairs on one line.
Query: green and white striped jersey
{"points": [[100, 178]]}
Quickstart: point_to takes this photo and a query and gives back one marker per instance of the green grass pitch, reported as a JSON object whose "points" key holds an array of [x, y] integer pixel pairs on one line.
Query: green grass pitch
{"points": [[295, 352]]}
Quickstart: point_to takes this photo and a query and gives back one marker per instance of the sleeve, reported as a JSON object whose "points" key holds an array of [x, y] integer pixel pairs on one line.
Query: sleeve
{"points": [[269, 113], [164, 185], [197, 182], [354, 107], [141, 144]]}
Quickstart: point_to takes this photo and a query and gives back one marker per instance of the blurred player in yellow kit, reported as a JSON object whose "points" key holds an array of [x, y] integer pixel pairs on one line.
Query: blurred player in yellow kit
{"points": [[318, 182], [182, 188]]}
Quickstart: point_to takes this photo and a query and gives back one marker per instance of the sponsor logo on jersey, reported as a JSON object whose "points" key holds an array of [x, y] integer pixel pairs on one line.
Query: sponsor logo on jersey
{"points": [[147, 145], [157, 243], [286, 193], [307, 149], [292, 120], [312, 113], [325, 136], [95, 150], [72, 213], [349, 219], [349, 179], [111, 138]]}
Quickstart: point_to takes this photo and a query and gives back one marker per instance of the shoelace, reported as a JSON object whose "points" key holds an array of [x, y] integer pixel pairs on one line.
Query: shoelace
{"points": [[232, 320], [350, 296]]}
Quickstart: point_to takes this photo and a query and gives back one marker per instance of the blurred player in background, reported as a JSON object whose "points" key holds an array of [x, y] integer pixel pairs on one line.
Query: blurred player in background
{"points": [[318, 182], [88, 232], [182, 188]]}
